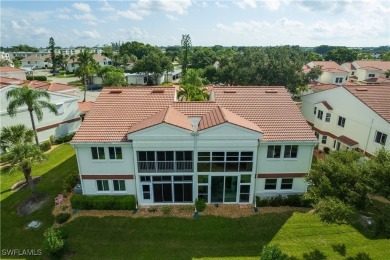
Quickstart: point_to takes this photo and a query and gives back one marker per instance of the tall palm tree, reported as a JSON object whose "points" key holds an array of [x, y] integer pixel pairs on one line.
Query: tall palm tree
{"points": [[87, 67], [24, 96], [15, 134], [192, 93], [22, 157]]}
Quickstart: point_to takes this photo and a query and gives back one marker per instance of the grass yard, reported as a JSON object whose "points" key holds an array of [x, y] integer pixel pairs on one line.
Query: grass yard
{"points": [[208, 237]]}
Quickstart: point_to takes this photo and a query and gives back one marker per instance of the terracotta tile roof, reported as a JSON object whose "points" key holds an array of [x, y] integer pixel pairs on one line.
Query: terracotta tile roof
{"points": [[99, 58], [349, 65], [50, 86], [376, 97], [220, 115], [116, 111], [377, 80], [85, 107], [11, 69], [347, 141], [168, 115], [329, 66], [10, 81], [326, 104], [318, 87], [374, 64], [33, 58]]}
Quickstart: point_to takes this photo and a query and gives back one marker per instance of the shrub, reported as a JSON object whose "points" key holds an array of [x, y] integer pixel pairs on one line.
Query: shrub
{"points": [[45, 146], [4, 158], [62, 218], [40, 78], [64, 139], [272, 252], [166, 210], [70, 181], [200, 205], [333, 210], [103, 202], [53, 243], [290, 200]]}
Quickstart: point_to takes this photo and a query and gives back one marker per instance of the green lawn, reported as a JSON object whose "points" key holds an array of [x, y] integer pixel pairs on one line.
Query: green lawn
{"points": [[170, 237]]}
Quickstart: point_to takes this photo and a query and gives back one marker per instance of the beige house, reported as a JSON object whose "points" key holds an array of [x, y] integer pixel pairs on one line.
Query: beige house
{"points": [[332, 73]]}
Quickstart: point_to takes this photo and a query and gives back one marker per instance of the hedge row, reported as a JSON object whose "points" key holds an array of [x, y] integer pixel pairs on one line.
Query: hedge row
{"points": [[278, 201], [40, 78], [103, 202]]}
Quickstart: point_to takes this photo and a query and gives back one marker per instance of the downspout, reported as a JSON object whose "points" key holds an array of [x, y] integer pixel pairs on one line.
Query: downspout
{"points": [[195, 166], [368, 137], [135, 180], [254, 186]]}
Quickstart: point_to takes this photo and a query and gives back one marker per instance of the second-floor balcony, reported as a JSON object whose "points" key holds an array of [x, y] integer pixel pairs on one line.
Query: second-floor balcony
{"points": [[165, 166]]}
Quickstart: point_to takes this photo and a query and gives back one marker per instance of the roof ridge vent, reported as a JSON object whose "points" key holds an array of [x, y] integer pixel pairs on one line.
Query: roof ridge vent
{"points": [[361, 89], [158, 91], [115, 91], [230, 91], [271, 91]]}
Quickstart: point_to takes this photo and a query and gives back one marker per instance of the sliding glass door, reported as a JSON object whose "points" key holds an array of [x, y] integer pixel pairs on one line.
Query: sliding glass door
{"points": [[223, 189]]}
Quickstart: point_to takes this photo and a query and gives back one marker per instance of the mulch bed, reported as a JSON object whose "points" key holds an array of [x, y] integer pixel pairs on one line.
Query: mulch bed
{"points": [[32, 204]]}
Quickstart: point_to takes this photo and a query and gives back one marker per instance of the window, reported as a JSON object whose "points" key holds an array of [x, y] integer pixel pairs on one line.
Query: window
{"points": [[290, 151], [146, 191], [115, 152], [341, 121], [119, 185], [98, 153], [320, 114], [371, 75], [184, 161], [353, 73], [315, 110], [324, 139], [380, 138], [102, 185], [286, 184], [339, 80], [165, 161], [317, 135], [225, 161], [270, 184], [327, 117], [274, 151]]}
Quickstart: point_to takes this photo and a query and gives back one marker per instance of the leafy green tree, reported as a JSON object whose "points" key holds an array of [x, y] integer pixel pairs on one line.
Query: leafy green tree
{"points": [[135, 48], [386, 56], [52, 53], [115, 78], [364, 56], [4, 62], [23, 48], [341, 55], [108, 51], [191, 78], [22, 157], [35, 100], [15, 134], [202, 57], [379, 171], [323, 49], [190, 87], [313, 56], [87, 67], [339, 182], [185, 52], [17, 63]]}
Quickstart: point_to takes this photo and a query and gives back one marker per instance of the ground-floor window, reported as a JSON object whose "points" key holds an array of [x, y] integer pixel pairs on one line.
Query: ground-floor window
{"points": [[102, 185]]}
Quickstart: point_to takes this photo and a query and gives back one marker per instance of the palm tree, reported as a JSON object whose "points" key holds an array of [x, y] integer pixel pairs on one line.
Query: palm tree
{"points": [[31, 98], [87, 67], [15, 134], [22, 157], [192, 78], [190, 87]]}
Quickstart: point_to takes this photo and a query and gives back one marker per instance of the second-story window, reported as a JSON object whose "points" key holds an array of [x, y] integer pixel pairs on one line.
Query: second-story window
{"points": [[324, 139], [273, 151], [290, 151], [371, 75], [315, 110], [115, 153], [320, 114], [165, 161], [380, 138], [327, 117], [225, 161], [341, 121], [339, 80], [98, 153]]}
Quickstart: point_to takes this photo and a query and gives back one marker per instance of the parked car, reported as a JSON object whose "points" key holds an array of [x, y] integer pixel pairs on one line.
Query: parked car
{"points": [[94, 87]]}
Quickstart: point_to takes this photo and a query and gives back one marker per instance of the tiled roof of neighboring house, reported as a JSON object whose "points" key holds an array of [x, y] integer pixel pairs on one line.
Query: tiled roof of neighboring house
{"points": [[220, 115], [10, 81], [33, 58], [377, 80], [347, 140], [85, 107], [168, 115], [349, 65], [376, 97], [318, 87], [329, 66], [50, 86], [11, 69], [99, 58], [374, 64], [116, 112]]}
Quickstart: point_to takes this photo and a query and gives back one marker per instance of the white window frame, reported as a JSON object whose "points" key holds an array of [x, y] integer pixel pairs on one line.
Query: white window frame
{"points": [[343, 120], [103, 191], [290, 154], [276, 184], [371, 75], [115, 153], [382, 142], [339, 80], [292, 183], [320, 114], [273, 152], [328, 116], [97, 152], [324, 139]]}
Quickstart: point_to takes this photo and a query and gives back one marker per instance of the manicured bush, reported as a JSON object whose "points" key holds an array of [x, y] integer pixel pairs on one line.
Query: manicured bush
{"points": [[200, 205], [290, 200], [272, 252], [53, 243], [70, 181], [62, 218], [45, 146], [64, 139], [103, 202], [40, 78]]}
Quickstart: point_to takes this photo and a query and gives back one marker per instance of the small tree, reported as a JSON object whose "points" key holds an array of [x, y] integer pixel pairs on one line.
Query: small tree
{"points": [[16, 134], [52, 53], [24, 96], [87, 67], [185, 52]]}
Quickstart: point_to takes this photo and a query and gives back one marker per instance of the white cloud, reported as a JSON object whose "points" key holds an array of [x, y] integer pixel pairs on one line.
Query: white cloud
{"points": [[86, 17], [87, 34], [220, 5], [272, 5], [129, 15], [15, 25], [144, 8], [179, 6], [284, 22], [40, 31], [107, 7], [64, 17], [171, 17], [245, 3], [83, 7]]}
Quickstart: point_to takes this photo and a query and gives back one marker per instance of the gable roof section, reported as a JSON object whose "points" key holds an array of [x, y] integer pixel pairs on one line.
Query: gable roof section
{"points": [[33, 58], [376, 97], [329, 66], [326, 104], [168, 115], [11, 69], [116, 112], [220, 115], [10, 81], [373, 64]]}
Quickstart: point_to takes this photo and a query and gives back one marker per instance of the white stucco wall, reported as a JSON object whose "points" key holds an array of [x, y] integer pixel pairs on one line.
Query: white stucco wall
{"points": [[330, 78]]}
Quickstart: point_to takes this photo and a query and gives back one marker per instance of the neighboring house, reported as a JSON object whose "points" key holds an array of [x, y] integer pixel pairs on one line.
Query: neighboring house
{"points": [[371, 71], [53, 87], [10, 72], [348, 66], [67, 121], [72, 65], [350, 117], [35, 62], [244, 142], [332, 73], [172, 76], [84, 108], [141, 79], [11, 81]]}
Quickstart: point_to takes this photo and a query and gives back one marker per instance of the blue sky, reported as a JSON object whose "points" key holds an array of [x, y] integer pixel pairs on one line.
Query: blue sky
{"points": [[228, 23]]}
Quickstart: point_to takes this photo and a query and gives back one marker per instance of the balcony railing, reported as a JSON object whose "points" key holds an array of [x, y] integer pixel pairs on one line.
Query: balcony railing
{"points": [[165, 166]]}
